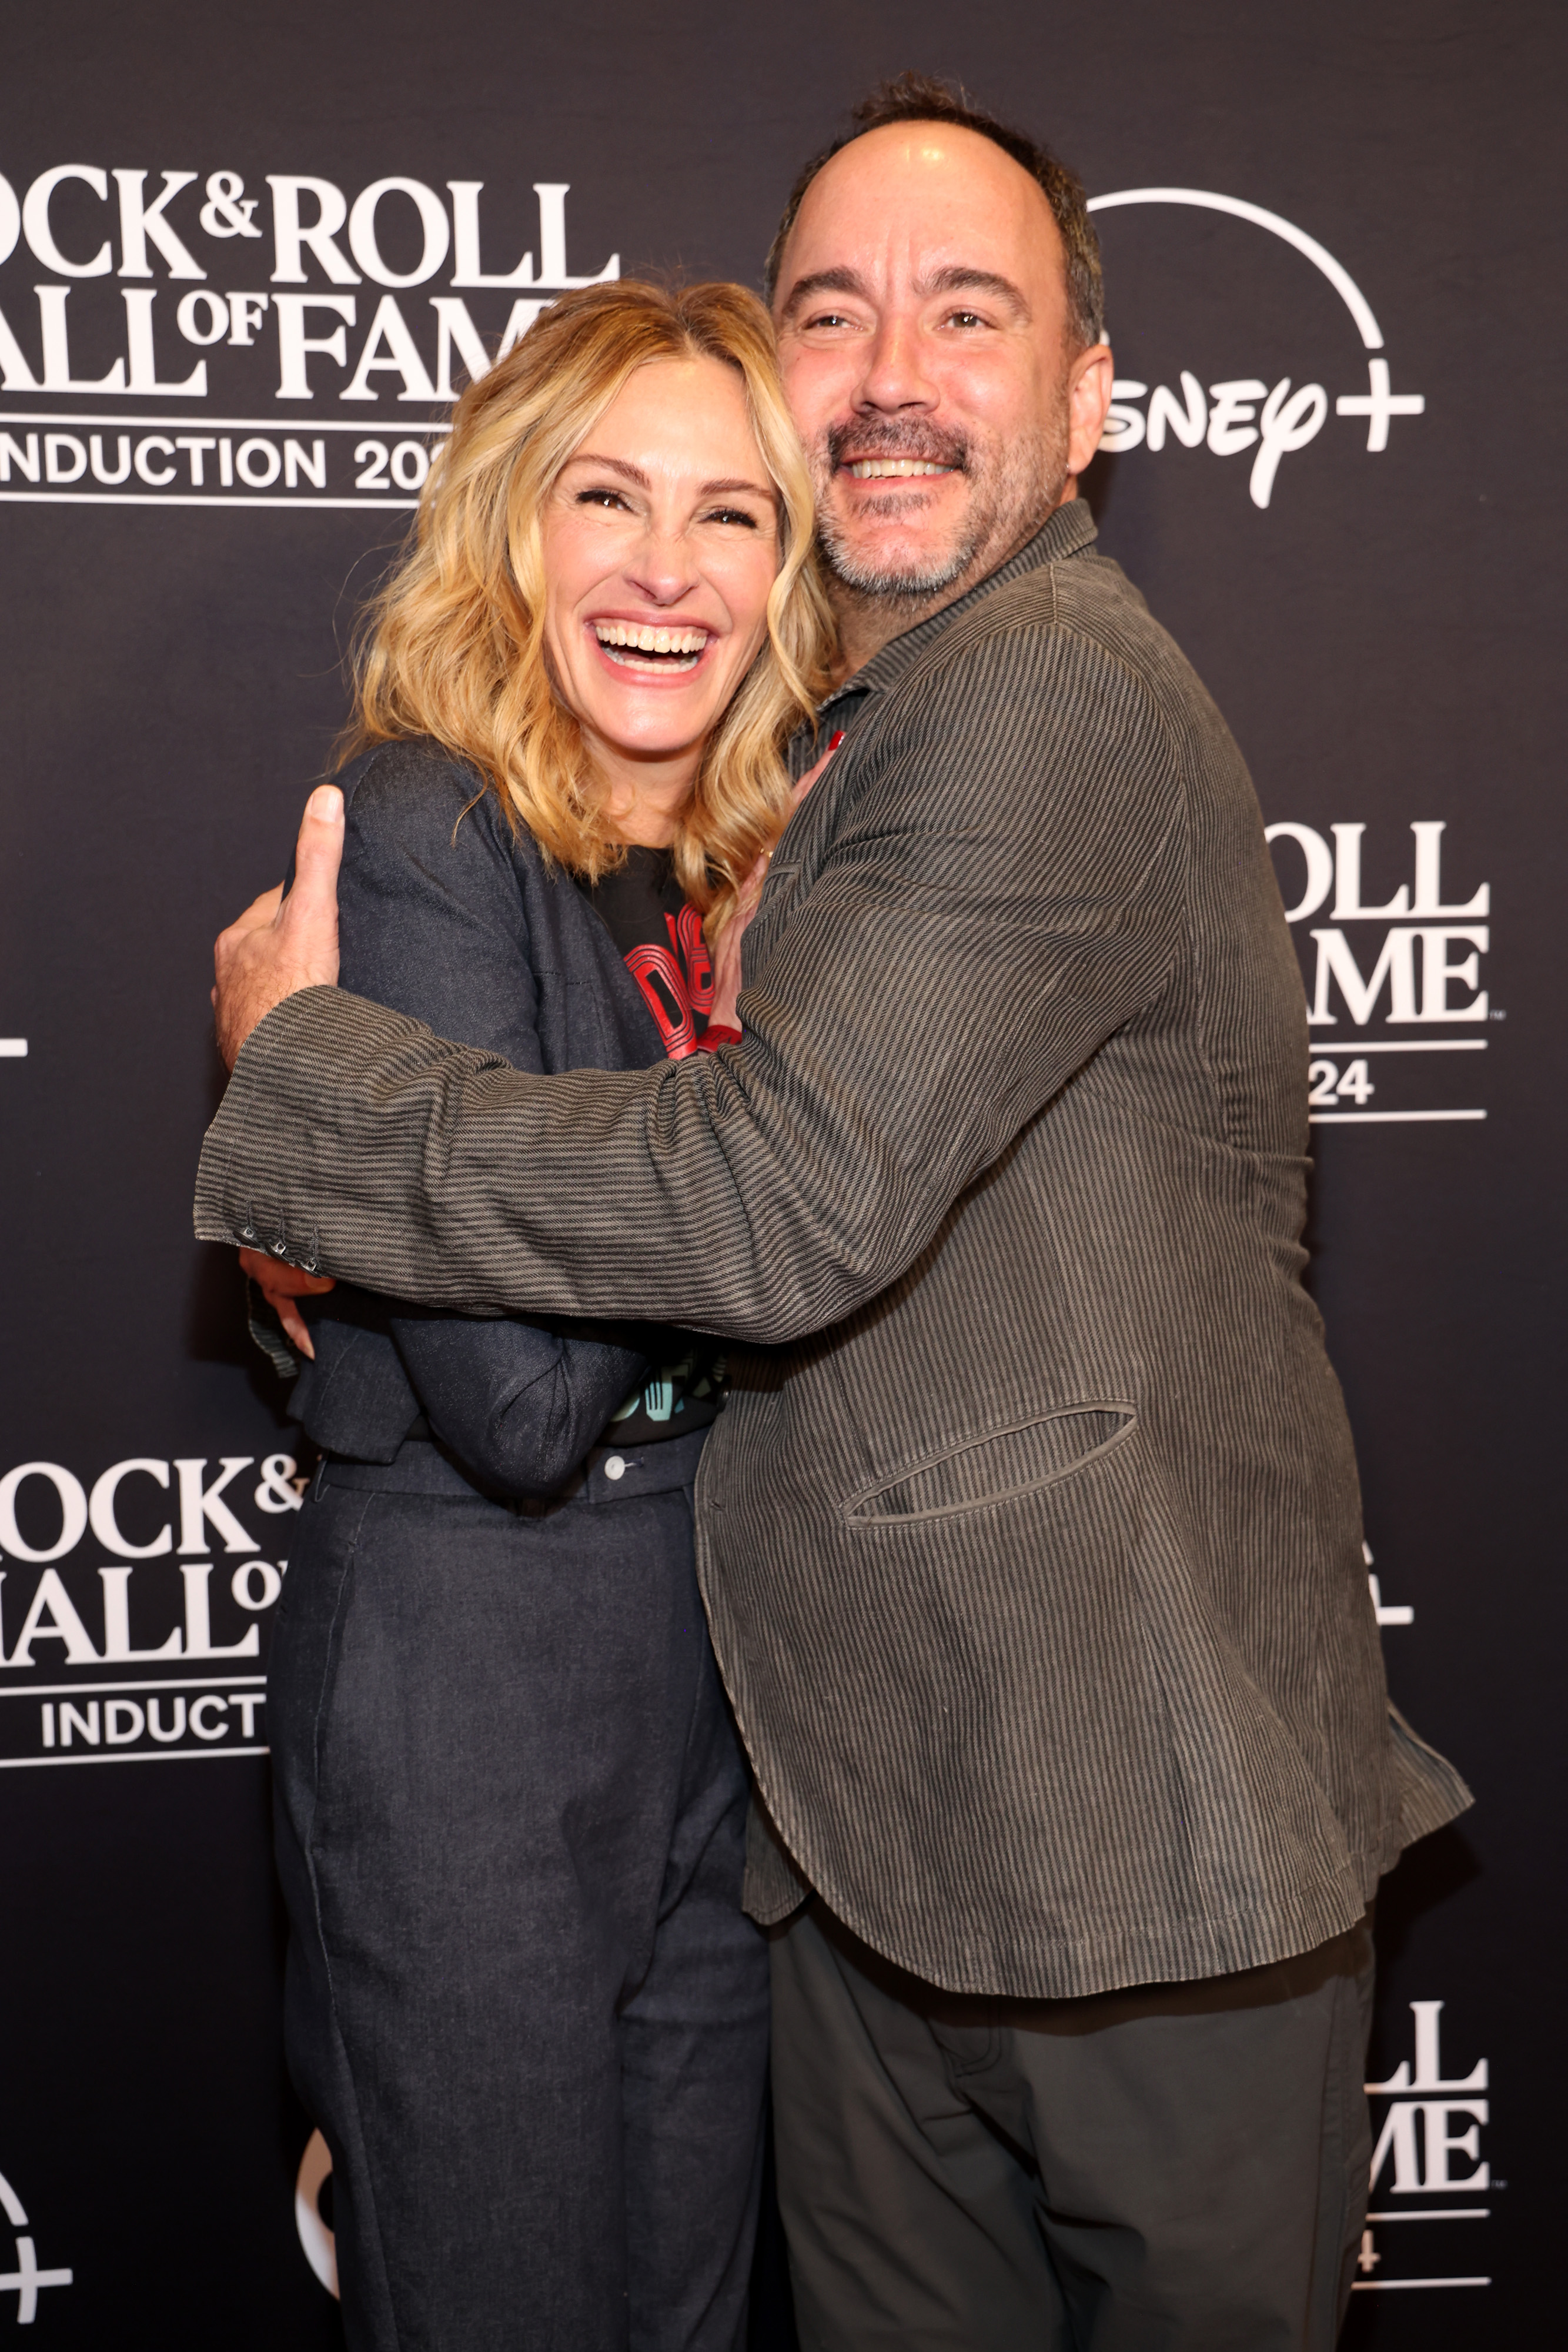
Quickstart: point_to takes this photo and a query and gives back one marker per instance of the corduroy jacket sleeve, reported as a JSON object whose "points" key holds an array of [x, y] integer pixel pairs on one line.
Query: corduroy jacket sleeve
{"points": [[987, 883]]}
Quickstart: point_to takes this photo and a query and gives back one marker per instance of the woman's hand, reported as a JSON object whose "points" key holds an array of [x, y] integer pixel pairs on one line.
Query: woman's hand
{"points": [[280, 1286], [722, 1013], [727, 955]]}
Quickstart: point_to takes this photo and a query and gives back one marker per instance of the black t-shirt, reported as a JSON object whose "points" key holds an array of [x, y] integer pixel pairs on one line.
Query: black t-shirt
{"points": [[661, 940], [661, 937]]}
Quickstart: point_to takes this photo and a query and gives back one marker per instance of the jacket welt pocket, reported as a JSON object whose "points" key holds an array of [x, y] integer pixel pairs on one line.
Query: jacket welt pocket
{"points": [[997, 1467]]}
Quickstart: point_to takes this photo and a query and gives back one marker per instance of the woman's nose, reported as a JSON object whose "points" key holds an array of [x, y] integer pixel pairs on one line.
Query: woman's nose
{"points": [[662, 569]]}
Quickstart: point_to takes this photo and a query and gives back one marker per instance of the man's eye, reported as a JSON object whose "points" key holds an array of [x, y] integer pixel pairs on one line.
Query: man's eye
{"points": [[965, 319], [829, 319]]}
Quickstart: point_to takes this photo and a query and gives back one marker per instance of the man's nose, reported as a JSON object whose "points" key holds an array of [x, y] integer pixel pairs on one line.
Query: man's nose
{"points": [[896, 373]]}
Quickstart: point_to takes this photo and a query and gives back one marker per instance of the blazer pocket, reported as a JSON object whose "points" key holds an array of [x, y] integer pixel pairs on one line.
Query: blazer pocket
{"points": [[985, 1470]]}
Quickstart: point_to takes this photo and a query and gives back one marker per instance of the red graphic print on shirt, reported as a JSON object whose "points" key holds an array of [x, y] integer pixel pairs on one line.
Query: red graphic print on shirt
{"points": [[677, 981]]}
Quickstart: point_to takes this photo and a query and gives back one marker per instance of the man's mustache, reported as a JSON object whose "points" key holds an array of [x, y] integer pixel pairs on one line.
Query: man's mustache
{"points": [[888, 437]]}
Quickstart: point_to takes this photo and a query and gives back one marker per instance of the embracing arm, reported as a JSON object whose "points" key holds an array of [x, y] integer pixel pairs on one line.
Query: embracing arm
{"points": [[998, 891], [521, 1405], [433, 923]]}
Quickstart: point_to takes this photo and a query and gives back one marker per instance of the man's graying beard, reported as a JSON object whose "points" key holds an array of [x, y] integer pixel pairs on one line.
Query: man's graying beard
{"points": [[1012, 493]]}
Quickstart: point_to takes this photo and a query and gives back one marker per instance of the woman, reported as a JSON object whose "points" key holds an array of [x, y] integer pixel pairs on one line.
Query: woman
{"points": [[523, 2003]]}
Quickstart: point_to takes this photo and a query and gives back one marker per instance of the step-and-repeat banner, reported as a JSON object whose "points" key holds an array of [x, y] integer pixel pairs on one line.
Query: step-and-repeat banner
{"points": [[244, 261]]}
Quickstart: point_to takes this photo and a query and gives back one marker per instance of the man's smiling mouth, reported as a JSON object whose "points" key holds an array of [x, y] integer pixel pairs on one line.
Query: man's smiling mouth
{"points": [[640, 646], [876, 469]]}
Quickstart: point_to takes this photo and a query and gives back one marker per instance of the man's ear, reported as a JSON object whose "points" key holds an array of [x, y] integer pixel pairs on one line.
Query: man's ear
{"points": [[1089, 384]]}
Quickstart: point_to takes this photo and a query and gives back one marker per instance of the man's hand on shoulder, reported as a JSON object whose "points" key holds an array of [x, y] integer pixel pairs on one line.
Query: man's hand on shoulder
{"points": [[280, 944]]}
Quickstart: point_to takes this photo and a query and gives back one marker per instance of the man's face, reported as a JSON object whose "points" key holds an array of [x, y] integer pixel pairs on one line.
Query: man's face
{"points": [[922, 329]]}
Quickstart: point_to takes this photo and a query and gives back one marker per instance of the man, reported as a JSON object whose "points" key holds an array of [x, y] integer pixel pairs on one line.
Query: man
{"points": [[1030, 1537]]}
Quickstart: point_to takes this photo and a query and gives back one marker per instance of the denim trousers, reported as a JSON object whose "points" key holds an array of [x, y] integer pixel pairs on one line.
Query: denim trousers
{"points": [[523, 2004]]}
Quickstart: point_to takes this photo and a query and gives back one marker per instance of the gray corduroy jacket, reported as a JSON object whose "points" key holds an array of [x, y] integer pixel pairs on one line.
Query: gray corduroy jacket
{"points": [[1032, 1538]]}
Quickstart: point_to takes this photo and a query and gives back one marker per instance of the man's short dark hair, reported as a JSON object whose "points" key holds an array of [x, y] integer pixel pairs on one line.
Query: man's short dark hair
{"points": [[920, 98]]}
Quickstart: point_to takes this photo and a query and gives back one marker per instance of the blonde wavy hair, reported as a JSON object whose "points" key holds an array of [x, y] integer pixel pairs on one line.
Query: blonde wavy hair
{"points": [[452, 645]]}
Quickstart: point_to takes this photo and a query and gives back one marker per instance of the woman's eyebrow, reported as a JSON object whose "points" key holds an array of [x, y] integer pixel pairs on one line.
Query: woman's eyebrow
{"points": [[634, 474], [614, 465]]}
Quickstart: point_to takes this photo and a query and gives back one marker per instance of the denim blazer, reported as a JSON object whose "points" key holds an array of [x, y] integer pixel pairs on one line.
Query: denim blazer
{"points": [[447, 915]]}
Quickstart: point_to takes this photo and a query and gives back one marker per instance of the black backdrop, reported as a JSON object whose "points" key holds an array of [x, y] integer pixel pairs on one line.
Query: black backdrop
{"points": [[1380, 628]]}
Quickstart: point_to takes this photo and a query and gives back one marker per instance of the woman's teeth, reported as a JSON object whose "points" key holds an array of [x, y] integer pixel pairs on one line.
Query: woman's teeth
{"points": [[634, 644], [875, 470]]}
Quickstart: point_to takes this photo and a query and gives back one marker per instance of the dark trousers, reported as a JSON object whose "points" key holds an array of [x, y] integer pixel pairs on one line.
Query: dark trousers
{"points": [[1176, 2168], [523, 2003]]}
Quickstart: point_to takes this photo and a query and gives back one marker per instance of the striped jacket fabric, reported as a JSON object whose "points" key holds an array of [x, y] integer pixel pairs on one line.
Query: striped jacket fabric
{"points": [[1030, 1538]]}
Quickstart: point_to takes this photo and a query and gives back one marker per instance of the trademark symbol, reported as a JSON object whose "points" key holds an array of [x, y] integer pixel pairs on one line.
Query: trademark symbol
{"points": [[1498, 1016]]}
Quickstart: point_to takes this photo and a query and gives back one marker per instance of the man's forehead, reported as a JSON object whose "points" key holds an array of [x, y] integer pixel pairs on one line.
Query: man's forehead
{"points": [[932, 196]]}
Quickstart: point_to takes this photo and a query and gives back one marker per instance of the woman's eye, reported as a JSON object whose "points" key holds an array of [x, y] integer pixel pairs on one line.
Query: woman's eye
{"points": [[734, 514], [600, 498]]}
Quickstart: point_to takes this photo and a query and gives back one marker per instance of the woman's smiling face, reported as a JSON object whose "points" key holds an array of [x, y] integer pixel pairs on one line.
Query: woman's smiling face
{"points": [[660, 544]]}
